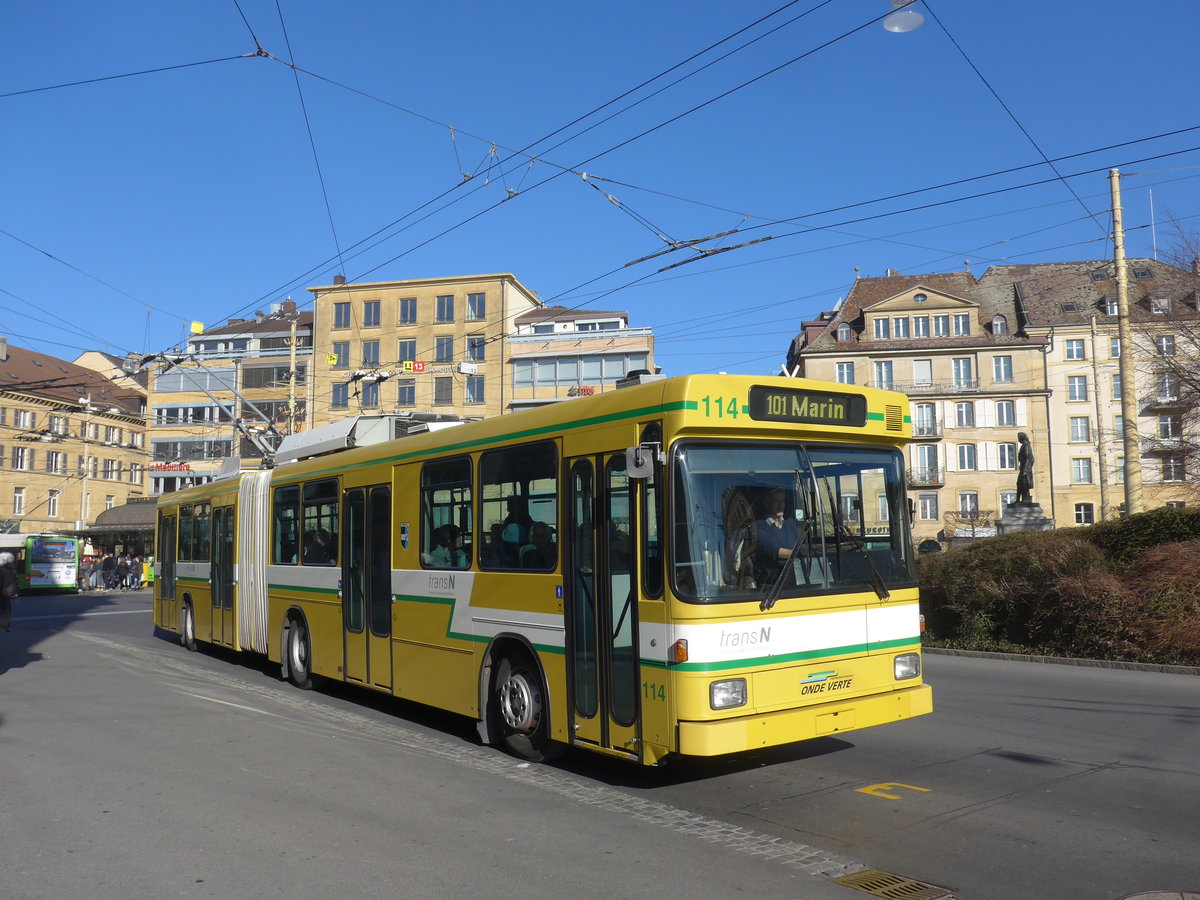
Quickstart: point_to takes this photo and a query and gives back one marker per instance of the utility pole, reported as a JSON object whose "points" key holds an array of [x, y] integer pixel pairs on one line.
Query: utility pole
{"points": [[1132, 441], [1101, 437], [291, 413], [84, 506]]}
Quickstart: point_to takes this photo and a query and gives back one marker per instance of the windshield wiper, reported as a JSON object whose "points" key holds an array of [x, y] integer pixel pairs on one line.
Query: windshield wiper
{"points": [[841, 531]]}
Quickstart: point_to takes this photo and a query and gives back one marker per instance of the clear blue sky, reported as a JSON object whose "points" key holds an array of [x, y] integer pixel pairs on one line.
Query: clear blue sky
{"points": [[193, 194]]}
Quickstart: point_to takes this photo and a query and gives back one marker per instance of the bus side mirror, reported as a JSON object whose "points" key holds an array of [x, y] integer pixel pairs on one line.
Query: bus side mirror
{"points": [[640, 460]]}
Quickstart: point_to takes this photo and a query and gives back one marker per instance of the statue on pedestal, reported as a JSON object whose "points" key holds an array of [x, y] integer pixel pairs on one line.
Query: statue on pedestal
{"points": [[1024, 469]]}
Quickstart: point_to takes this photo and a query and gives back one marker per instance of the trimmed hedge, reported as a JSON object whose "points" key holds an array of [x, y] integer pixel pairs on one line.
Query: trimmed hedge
{"points": [[1124, 590]]}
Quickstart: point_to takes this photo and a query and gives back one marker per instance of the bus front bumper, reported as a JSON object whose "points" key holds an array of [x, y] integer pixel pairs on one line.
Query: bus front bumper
{"points": [[789, 726]]}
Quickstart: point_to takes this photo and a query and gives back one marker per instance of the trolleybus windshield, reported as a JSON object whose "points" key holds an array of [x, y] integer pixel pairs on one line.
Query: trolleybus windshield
{"points": [[844, 524]]}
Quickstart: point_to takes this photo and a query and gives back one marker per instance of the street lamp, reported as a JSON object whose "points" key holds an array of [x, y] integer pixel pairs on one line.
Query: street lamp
{"points": [[903, 19]]}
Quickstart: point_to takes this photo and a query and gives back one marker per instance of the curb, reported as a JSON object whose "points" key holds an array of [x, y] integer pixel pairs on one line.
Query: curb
{"points": [[1066, 661]]}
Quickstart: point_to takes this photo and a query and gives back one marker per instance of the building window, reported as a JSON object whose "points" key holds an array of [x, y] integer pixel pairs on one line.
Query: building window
{"points": [[1165, 344], [475, 347], [845, 373], [52, 504], [369, 397], [843, 332], [999, 325], [1007, 499], [408, 311], [1081, 429], [941, 326], [1114, 347], [444, 351], [20, 457], [929, 507], [406, 392], [1170, 427], [1119, 470], [921, 326], [443, 391], [476, 307], [882, 328], [340, 398], [925, 420], [900, 327], [1160, 304], [1006, 413], [1111, 306], [1176, 504], [927, 463], [1172, 468], [341, 315], [1084, 514], [1118, 427], [406, 350], [966, 457], [922, 372], [1008, 456], [964, 414], [1075, 349], [963, 373], [475, 389], [18, 500], [370, 353], [370, 314], [445, 308], [341, 354], [962, 324], [1077, 388], [968, 504], [1081, 470], [1167, 384], [883, 375], [1002, 368], [1116, 387]]}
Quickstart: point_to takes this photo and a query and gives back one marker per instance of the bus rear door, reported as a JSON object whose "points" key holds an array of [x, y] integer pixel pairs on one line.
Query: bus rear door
{"points": [[602, 605], [223, 623], [367, 586]]}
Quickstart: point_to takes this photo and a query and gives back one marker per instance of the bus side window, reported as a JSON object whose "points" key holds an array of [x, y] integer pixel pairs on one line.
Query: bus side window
{"points": [[285, 514]]}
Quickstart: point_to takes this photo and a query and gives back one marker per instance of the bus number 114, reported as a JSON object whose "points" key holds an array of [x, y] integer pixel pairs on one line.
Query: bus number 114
{"points": [[721, 407]]}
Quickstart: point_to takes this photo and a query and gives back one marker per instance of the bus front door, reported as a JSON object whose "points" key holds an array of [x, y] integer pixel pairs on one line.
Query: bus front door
{"points": [[602, 605], [367, 586], [223, 624]]}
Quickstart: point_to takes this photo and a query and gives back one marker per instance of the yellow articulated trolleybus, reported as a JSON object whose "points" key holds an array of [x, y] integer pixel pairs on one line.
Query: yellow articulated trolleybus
{"points": [[683, 567]]}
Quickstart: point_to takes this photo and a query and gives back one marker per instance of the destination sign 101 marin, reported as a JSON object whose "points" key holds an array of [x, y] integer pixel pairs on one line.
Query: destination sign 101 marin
{"points": [[810, 407]]}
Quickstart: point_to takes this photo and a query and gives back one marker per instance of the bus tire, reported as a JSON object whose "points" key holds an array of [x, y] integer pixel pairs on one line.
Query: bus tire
{"points": [[299, 654], [520, 705], [187, 626]]}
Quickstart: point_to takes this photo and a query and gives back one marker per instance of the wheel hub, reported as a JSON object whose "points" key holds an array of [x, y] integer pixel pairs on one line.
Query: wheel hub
{"points": [[520, 704]]}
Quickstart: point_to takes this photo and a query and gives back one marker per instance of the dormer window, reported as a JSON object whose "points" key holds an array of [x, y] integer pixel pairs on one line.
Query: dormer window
{"points": [[1141, 273], [882, 329], [844, 333], [999, 325], [1160, 304]]}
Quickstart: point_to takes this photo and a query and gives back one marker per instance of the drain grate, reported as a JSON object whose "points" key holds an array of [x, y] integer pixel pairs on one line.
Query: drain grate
{"points": [[893, 887]]}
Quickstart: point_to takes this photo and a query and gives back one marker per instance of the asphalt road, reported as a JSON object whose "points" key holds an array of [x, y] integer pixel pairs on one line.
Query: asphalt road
{"points": [[129, 767]]}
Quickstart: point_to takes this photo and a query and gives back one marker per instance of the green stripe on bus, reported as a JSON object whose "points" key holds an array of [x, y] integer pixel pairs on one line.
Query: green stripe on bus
{"points": [[472, 638], [783, 658], [302, 589]]}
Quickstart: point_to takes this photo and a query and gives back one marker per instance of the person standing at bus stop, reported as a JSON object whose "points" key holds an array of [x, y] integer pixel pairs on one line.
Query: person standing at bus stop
{"points": [[8, 588]]}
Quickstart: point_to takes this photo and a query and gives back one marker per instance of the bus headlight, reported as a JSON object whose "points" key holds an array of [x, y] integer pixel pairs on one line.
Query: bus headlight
{"points": [[727, 694], [907, 665]]}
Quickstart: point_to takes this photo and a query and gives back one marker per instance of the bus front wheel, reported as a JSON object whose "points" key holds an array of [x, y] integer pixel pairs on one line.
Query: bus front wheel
{"points": [[299, 649], [187, 627], [521, 709]]}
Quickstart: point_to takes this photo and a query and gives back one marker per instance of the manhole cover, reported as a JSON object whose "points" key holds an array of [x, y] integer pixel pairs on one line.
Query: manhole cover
{"points": [[894, 887]]}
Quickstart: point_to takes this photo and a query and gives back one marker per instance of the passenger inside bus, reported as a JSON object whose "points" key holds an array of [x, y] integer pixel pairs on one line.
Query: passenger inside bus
{"points": [[541, 552], [776, 535], [448, 552], [316, 547]]}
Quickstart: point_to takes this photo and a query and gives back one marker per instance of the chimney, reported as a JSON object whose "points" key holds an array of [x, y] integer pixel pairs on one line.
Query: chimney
{"points": [[3, 349], [289, 306], [339, 279]]}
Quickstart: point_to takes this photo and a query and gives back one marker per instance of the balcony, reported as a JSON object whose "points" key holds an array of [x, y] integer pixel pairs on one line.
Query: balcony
{"points": [[928, 429], [1163, 400], [926, 478], [917, 388]]}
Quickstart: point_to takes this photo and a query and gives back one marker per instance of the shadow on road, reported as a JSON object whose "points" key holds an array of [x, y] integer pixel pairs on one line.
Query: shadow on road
{"points": [[37, 616]]}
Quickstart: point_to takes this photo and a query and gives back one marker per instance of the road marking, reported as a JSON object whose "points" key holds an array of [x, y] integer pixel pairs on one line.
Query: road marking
{"points": [[86, 615], [881, 790], [252, 709]]}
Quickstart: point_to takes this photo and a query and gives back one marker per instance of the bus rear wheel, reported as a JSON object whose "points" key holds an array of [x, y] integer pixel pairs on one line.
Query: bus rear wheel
{"points": [[187, 627], [519, 697], [299, 655]]}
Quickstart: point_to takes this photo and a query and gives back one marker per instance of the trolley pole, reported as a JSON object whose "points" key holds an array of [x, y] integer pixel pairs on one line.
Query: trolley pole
{"points": [[1132, 441]]}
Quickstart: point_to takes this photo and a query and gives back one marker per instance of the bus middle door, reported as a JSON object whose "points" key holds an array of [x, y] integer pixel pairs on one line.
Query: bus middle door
{"points": [[367, 586], [602, 604], [223, 624]]}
